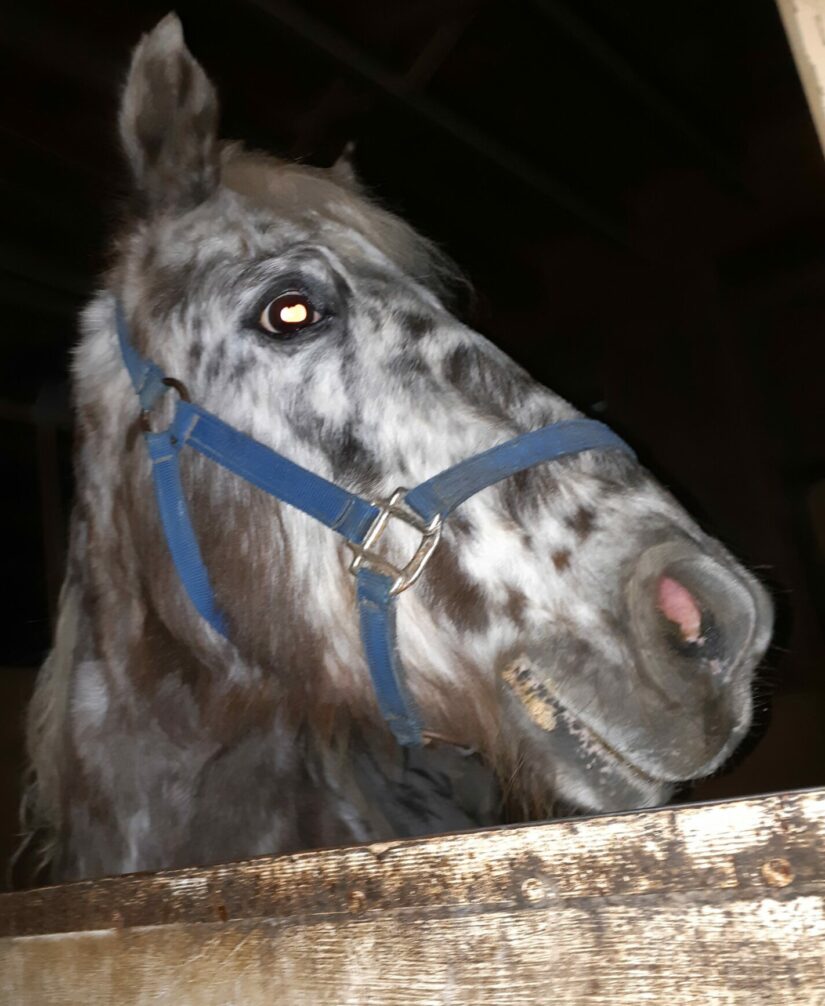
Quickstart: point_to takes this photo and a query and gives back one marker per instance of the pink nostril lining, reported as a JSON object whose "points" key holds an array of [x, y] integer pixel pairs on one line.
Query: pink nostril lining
{"points": [[678, 605]]}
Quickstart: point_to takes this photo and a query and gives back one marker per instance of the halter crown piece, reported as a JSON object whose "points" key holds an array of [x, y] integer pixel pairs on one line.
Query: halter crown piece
{"points": [[360, 522]]}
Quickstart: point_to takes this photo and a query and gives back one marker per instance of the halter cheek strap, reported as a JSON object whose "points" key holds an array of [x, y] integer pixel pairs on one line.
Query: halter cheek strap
{"points": [[360, 522]]}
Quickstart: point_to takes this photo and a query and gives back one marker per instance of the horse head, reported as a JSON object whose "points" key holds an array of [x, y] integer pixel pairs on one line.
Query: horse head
{"points": [[574, 626]]}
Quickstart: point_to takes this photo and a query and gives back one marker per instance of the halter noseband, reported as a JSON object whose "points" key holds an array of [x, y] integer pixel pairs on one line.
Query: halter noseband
{"points": [[360, 522]]}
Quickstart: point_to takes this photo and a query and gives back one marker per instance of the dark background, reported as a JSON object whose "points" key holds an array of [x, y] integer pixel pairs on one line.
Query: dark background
{"points": [[634, 189]]}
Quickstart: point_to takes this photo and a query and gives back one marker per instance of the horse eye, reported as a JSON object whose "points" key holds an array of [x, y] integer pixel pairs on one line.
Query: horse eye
{"points": [[288, 313]]}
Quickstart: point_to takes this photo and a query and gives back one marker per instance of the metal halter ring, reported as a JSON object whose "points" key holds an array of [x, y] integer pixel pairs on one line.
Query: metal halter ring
{"points": [[430, 537], [170, 382]]}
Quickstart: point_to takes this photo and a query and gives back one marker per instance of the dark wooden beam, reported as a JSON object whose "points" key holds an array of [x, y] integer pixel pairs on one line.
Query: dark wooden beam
{"points": [[662, 110], [343, 53]]}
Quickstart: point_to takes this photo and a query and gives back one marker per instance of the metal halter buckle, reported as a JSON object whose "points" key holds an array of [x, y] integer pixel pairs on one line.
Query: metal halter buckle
{"points": [[430, 537]]}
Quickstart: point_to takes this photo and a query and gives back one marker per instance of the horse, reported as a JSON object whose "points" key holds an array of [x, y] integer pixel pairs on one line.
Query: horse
{"points": [[576, 643]]}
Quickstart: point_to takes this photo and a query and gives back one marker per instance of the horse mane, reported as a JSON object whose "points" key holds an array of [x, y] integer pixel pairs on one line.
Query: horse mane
{"points": [[295, 190], [40, 809]]}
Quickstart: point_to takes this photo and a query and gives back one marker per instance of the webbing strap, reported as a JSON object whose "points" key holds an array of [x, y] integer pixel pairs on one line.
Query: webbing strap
{"points": [[444, 492], [147, 377], [177, 527], [328, 503], [376, 607]]}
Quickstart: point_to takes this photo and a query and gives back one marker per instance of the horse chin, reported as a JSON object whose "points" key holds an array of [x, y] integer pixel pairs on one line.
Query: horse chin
{"points": [[595, 778], [588, 773]]}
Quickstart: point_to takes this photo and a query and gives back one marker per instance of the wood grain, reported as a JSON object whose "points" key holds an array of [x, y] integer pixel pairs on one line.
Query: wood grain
{"points": [[721, 903]]}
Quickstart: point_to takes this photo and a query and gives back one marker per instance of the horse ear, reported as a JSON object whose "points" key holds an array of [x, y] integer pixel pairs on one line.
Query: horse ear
{"points": [[168, 121], [343, 170]]}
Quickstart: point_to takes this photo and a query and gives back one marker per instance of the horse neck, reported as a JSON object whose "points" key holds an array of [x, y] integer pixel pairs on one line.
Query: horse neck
{"points": [[149, 752]]}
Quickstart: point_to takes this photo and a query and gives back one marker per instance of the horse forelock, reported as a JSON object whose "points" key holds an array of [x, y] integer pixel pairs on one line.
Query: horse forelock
{"points": [[303, 193]]}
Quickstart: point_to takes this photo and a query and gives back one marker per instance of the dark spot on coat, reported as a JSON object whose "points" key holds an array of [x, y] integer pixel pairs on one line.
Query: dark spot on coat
{"points": [[307, 425], [408, 363], [352, 461], [494, 388], [582, 522], [216, 361], [242, 368], [521, 481], [167, 287], [515, 605], [458, 366], [461, 526], [461, 599], [561, 559], [524, 494], [195, 353], [415, 325]]}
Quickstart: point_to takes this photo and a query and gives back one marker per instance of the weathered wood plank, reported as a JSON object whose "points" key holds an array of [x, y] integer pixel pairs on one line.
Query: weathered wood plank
{"points": [[700, 847], [722, 903], [681, 952]]}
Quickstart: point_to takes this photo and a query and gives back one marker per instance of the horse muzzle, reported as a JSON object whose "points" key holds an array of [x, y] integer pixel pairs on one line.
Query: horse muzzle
{"points": [[699, 625], [671, 699]]}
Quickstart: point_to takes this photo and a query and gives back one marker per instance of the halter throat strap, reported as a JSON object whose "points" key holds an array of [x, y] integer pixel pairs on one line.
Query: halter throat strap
{"points": [[360, 522]]}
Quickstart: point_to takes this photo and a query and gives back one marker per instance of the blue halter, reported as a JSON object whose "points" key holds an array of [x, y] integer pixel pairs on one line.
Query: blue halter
{"points": [[358, 521]]}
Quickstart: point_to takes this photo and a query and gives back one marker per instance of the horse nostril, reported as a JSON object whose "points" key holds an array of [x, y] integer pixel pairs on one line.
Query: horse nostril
{"points": [[693, 632], [692, 611], [679, 606]]}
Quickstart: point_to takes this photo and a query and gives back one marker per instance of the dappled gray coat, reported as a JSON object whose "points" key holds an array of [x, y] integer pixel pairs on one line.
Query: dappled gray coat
{"points": [[575, 629]]}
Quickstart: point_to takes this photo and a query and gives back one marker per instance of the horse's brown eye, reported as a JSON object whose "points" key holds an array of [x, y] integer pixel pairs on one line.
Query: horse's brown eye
{"points": [[290, 312]]}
